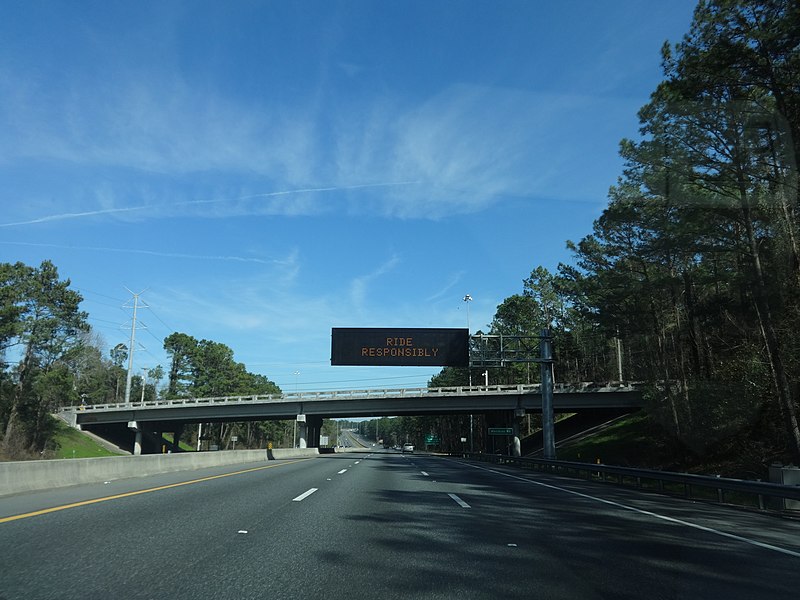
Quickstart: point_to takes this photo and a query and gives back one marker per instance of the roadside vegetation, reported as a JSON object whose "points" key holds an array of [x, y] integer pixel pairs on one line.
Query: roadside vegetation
{"points": [[689, 283], [71, 443]]}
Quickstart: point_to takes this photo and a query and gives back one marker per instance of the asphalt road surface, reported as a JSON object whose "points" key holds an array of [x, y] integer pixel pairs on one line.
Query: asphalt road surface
{"points": [[386, 526]]}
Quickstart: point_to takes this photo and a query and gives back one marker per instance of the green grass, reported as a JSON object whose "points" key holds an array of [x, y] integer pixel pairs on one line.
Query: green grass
{"points": [[183, 445], [629, 442], [71, 443]]}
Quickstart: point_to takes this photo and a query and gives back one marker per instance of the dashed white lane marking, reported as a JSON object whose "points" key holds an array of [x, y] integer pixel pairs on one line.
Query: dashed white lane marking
{"points": [[304, 495], [424, 473], [342, 471], [459, 501]]}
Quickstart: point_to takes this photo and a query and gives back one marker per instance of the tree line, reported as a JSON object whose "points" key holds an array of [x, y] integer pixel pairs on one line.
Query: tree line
{"points": [[51, 358], [690, 280]]}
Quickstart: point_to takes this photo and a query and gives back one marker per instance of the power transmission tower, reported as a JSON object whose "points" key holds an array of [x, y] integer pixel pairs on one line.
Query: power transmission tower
{"points": [[131, 348]]}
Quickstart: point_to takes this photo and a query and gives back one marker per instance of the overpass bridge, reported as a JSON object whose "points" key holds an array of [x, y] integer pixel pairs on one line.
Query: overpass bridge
{"points": [[507, 404]]}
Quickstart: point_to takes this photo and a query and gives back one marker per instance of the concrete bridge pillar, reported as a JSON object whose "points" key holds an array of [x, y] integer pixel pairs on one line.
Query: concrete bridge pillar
{"points": [[137, 444], [314, 429], [516, 426], [302, 431], [176, 437]]}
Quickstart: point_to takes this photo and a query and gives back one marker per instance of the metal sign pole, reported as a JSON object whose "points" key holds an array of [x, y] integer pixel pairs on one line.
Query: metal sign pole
{"points": [[546, 348]]}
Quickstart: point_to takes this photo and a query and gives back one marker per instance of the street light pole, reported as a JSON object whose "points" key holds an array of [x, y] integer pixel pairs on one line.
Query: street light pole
{"points": [[468, 299], [144, 381], [294, 426]]}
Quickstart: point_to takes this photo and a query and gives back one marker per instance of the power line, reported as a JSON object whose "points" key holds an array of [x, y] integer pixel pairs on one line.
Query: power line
{"points": [[85, 291], [152, 312]]}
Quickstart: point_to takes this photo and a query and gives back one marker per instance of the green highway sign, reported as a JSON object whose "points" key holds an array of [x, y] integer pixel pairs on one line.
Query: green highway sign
{"points": [[432, 439], [500, 431]]}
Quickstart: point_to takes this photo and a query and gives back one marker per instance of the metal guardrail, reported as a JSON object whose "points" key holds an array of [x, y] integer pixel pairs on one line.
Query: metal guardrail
{"points": [[356, 395], [761, 494]]}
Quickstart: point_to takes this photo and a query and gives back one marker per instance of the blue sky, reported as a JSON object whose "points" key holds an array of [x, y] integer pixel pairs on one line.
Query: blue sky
{"points": [[264, 171]]}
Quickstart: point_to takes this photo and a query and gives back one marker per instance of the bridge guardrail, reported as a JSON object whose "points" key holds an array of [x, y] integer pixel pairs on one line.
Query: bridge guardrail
{"points": [[741, 492], [353, 394]]}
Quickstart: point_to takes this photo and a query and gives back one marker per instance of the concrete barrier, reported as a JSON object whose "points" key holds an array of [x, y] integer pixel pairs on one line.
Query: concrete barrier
{"points": [[32, 475]]}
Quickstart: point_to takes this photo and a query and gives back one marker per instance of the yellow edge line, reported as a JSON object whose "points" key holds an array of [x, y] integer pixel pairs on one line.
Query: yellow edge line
{"points": [[136, 493]]}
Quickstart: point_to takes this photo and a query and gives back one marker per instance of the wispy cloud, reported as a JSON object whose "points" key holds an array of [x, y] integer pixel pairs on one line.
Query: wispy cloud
{"points": [[246, 259], [463, 148], [174, 205], [360, 285], [449, 285]]}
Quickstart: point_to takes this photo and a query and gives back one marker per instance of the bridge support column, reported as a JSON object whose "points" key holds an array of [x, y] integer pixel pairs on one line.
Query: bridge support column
{"points": [[314, 429], [302, 432], [516, 425], [176, 437], [137, 444]]}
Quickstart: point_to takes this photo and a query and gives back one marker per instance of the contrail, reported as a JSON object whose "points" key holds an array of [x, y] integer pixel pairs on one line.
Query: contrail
{"points": [[149, 252], [63, 216], [108, 211]]}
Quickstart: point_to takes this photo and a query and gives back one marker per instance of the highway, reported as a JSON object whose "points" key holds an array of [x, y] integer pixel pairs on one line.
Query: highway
{"points": [[378, 524]]}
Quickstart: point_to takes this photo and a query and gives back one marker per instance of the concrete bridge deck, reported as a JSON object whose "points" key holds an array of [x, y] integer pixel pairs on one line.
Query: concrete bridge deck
{"points": [[361, 403]]}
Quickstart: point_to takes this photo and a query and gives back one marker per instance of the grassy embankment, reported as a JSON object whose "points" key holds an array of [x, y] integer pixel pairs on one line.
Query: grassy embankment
{"points": [[637, 442], [628, 442], [71, 443]]}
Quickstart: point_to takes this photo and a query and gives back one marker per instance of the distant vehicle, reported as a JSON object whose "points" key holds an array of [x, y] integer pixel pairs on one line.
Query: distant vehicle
{"points": [[408, 447]]}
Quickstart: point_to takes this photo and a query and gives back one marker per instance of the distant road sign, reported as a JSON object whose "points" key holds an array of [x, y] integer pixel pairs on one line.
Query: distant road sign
{"points": [[432, 439], [500, 431], [398, 347]]}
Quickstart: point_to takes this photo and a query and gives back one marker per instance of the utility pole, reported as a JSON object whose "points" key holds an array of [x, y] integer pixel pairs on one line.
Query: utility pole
{"points": [[131, 348]]}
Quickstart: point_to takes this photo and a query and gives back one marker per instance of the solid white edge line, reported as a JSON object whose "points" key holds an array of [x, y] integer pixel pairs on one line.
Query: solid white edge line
{"points": [[724, 534], [304, 495], [459, 501]]}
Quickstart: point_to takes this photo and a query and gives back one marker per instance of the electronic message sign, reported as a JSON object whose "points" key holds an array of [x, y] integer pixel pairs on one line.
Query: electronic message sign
{"points": [[418, 347]]}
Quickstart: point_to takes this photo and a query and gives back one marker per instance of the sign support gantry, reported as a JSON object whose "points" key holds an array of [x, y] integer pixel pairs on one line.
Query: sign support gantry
{"points": [[502, 350]]}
